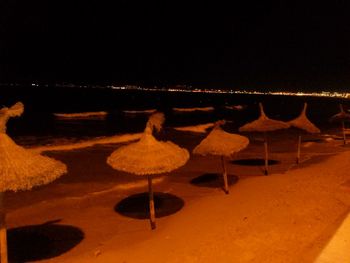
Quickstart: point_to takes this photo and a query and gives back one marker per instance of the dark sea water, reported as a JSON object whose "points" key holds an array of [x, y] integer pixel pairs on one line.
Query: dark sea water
{"points": [[39, 126]]}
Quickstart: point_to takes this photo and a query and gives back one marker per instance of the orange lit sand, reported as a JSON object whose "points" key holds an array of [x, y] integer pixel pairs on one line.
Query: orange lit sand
{"points": [[284, 217]]}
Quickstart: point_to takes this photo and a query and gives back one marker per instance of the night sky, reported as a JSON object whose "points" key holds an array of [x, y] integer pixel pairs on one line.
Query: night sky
{"points": [[245, 45]]}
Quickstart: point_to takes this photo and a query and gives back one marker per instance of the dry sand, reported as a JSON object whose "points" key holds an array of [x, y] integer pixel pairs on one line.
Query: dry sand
{"points": [[288, 216]]}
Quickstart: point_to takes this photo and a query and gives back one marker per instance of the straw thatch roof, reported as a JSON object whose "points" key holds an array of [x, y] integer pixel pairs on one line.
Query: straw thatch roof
{"points": [[263, 124], [6, 113], [302, 122], [148, 155], [22, 169], [219, 142], [341, 116]]}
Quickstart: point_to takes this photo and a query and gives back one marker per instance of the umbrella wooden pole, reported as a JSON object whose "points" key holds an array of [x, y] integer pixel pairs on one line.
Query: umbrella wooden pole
{"points": [[152, 215], [3, 237], [224, 174], [343, 129], [266, 155], [298, 152]]}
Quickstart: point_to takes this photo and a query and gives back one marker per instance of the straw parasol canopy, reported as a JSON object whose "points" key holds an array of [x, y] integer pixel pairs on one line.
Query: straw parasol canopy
{"points": [[342, 117], [149, 156], [303, 123], [224, 144], [20, 169], [219, 142], [264, 124]]}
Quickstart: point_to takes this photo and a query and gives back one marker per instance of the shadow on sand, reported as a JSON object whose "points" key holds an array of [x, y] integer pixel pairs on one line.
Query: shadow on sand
{"points": [[38, 242], [318, 140], [213, 180], [137, 206], [254, 162]]}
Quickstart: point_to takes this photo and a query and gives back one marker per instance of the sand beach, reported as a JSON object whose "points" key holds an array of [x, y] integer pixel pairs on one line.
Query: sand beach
{"points": [[288, 216]]}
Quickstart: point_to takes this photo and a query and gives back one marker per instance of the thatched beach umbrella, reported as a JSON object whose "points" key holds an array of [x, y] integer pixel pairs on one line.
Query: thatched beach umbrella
{"points": [[20, 169], [264, 124], [303, 123], [149, 156], [224, 144], [342, 116]]}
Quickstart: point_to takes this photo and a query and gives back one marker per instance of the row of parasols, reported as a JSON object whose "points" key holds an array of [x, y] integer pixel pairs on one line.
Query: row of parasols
{"points": [[22, 169]]}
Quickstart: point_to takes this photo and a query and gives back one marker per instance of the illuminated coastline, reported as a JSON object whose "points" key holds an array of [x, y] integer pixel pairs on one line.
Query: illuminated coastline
{"points": [[329, 94], [190, 89]]}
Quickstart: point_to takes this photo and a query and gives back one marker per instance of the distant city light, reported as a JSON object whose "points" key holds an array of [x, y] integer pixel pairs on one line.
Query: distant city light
{"points": [[190, 89], [344, 95]]}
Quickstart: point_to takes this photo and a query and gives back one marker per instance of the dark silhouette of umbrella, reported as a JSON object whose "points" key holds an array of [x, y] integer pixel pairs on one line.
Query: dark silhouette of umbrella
{"points": [[341, 117], [149, 156], [303, 123], [221, 143], [264, 124]]}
